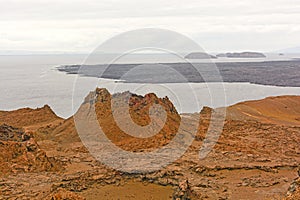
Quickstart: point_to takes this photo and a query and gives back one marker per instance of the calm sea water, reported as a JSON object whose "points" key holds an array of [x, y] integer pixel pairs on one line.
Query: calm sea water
{"points": [[33, 81]]}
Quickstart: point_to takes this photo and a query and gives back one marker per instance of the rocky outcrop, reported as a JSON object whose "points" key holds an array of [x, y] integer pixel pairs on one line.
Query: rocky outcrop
{"points": [[19, 152], [28, 116], [294, 189], [9, 133], [139, 108], [259, 142]]}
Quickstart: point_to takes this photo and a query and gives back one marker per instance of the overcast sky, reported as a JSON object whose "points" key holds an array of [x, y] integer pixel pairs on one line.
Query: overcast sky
{"points": [[81, 25]]}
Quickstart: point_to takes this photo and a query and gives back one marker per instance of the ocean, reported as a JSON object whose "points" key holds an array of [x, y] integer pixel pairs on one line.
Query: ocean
{"points": [[33, 81]]}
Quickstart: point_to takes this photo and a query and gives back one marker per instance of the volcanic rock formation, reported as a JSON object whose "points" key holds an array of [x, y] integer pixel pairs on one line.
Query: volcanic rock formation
{"points": [[255, 157]]}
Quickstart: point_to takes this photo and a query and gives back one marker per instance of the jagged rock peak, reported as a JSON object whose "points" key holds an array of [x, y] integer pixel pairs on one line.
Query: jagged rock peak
{"points": [[103, 95]]}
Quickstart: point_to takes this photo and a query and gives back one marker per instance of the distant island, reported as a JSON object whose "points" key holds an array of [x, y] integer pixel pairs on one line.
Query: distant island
{"points": [[199, 55], [242, 55], [202, 55], [261, 72]]}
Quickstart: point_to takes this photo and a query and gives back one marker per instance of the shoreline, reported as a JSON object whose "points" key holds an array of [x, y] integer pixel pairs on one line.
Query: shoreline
{"points": [[263, 73]]}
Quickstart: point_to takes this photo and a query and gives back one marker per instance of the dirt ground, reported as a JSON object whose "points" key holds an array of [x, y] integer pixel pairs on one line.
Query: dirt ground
{"points": [[256, 157]]}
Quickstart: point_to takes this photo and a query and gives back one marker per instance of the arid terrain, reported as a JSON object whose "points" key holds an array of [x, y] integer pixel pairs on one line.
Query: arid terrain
{"points": [[257, 156]]}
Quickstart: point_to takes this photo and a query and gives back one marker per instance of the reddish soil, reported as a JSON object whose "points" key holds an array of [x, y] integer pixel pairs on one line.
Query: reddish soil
{"points": [[256, 156]]}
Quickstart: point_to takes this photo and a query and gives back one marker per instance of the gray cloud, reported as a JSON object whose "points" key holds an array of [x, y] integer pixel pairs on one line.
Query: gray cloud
{"points": [[216, 25]]}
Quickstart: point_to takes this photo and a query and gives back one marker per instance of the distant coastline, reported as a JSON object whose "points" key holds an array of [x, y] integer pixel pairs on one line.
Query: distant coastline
{"points": [[264, 73]]}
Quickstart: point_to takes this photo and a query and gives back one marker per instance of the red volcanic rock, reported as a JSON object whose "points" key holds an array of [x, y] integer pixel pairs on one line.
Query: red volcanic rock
{"points": [[284, 110], [139, 107], [255, 157], [9, 133], [19, 152], [294, 190], [28, 116], [62, 194]]}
